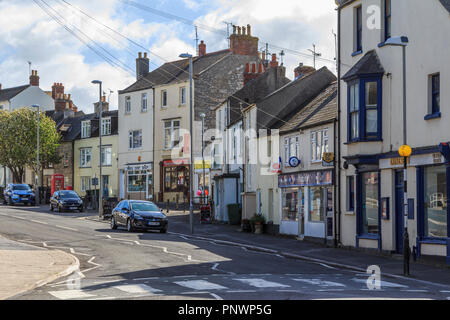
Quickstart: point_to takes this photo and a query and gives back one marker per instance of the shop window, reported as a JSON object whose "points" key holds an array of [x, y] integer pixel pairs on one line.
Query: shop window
{"points": [[435, 202], [290, 204], [369, 217], [316, 205], [136, 181], [175, 179]]}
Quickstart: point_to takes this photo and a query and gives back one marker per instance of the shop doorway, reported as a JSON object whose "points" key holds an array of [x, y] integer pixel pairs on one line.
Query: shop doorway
{"points": [[399, 219]]}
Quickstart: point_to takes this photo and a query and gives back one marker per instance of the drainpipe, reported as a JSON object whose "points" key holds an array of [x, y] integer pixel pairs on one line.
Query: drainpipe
{"points": [[338, 171]]}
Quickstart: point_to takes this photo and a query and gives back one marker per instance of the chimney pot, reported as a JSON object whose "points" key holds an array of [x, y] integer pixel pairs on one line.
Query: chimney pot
{"points": [[140, 55], [249, 30], [34, 78], [145, 55], [202, 49]]}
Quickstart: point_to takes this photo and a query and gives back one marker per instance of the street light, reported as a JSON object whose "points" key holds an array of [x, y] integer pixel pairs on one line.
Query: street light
{"points": [[191, 173], [202, 115], [100, 187], [37, 195], [404, 151]]}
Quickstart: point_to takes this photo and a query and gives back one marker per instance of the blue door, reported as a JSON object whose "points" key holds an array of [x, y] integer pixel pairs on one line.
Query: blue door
{"points": [[399, 219]]}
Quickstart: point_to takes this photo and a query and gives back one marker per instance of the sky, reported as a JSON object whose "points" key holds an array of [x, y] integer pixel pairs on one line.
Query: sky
{"points": [[28, 33]]}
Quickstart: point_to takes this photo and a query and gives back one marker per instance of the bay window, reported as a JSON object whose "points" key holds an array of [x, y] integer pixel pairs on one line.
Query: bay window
{"points": [[435, 202], [364, 110]]}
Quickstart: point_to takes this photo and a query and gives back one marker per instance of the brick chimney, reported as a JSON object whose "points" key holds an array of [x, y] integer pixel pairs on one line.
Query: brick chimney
{"points": [[57, 89], [142, 65], [302, 71], [252, 71], [242, 42], [201, 49], [274, 62], [104, 104], [34, 78]]}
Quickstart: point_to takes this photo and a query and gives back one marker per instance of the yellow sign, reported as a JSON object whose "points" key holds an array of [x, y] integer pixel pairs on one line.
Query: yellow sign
{"points": [[328, 157], [405, 151], [198, 164], [398, 161]]}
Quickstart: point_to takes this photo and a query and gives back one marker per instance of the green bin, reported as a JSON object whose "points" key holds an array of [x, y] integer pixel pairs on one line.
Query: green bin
{"points": [[234, 215]]}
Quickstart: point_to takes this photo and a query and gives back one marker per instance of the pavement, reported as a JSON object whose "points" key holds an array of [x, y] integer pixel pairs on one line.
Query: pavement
{"points": [[423, 270], [24, 267]]}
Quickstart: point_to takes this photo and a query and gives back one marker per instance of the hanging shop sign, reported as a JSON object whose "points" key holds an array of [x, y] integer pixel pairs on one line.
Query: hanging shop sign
{"points": [[294, 162], [304, 179], [328, 159], [275, 167]]}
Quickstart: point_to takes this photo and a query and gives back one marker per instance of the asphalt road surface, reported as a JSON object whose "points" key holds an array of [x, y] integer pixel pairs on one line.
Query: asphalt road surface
{"points": [[116, 264]]}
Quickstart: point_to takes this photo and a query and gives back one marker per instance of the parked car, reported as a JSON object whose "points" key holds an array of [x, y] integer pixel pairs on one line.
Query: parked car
{"points": [[66, 200], [134, 214], [18, 193]]}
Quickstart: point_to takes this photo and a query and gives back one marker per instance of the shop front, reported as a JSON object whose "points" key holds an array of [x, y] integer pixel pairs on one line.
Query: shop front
{"points": [[137, 181], [175, 181], [307, 204]]}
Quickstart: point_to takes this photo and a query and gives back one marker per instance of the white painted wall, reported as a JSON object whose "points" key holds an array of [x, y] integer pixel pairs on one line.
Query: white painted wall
{"points": [[32, 95]]}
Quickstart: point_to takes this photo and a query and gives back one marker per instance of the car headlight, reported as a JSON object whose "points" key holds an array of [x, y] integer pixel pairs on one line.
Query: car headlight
{"points": [[15, 195], [80, 201]]}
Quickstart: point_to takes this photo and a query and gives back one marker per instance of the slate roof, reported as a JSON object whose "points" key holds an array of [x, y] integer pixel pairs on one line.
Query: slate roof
{"points": [[256, 90], [9, 93], [322, 109], [281, 105], [176, 71], [446, 4], [369, 64]]}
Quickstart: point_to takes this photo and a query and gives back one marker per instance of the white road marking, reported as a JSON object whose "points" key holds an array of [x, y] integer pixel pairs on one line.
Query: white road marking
{"points": [[39, 222], [137, 288], [215, 296], [383, 283], [71, 294], [321, 283], [200, 285], [140, 279], [326, 266], [67, 228], [241, 291], [261, 283], [414, 290]]}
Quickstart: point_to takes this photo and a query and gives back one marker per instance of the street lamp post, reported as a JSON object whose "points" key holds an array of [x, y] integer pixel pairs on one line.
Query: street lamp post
{"points": [[405, 152], [100, 186], [202, 115], [191, 133], [37, 195]]}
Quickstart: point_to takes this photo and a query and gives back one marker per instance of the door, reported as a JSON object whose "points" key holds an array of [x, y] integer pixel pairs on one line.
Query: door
{"points": [[399, 214]]}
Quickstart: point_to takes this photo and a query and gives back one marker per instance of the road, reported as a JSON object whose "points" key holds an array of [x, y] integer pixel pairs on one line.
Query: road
{"points": [[116, 264]]}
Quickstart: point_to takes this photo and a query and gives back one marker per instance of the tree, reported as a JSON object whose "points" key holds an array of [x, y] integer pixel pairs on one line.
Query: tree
{"points": [[18, 135]]}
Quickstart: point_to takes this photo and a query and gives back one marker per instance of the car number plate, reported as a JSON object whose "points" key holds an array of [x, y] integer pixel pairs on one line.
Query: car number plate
{"points": [[153, 223], [73, 208]]}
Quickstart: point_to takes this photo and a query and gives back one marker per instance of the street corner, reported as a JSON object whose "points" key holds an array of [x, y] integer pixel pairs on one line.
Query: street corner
{"points": [[24, 267]]}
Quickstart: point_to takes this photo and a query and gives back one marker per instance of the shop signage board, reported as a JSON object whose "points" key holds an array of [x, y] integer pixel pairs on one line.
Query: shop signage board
{"points": [[199, 164], [176, 162], [304, 179]]}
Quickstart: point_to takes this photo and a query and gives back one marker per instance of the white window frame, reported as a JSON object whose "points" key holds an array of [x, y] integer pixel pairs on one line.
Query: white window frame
{"points": [[107, 156], [127, 104], [144, 102], [86, 129], [317, 144], [106, 126], [85, 186], [174, 131], [132, 134], [84, 154]]}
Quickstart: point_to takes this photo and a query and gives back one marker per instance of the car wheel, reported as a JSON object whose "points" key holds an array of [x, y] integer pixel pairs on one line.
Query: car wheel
{"points": [[129, 226], [51, 208], [4, 201], [60, 209], [163, 230], [81, 210], [10, 202], [113, 223]]}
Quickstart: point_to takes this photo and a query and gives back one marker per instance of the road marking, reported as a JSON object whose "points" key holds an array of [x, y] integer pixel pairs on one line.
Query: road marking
{"points": [[67, 228], [39, 222], [414, 290], [241, 291], [383, 283], [261, 283], [321, 283], [200, 285], [140, 279], [215, 296], [71, 294], [137, 288]]}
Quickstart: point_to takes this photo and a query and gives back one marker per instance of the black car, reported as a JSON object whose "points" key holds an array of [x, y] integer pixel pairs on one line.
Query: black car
{"points": [[134, 214], [18, 193], [66, 200]]}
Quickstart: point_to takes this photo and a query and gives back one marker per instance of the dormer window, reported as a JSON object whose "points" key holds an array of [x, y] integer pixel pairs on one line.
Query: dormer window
{"points": [[86, 129], [106, 126]]}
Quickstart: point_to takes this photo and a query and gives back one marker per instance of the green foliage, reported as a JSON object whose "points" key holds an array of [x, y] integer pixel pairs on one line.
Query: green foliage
{"points": [[257, 218], [18, 135]]}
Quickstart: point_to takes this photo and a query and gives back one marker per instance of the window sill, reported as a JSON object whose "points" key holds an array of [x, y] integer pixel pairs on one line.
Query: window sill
{"points": [[369, 236], [144, 111], [127, 113], [441, 241], [363, 140], [356, 53], [182, 105], [435, 115]]}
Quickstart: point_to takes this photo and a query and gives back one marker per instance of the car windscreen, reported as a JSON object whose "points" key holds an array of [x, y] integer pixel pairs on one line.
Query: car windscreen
{"points": [[22, 187], [143, 206], [68, 195]]}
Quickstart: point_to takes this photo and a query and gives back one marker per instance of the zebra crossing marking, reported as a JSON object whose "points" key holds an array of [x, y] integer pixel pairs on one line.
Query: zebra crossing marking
{"points": [[71, 294], [200, 285], [321, 283], [137, 288], [261, 283]]}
